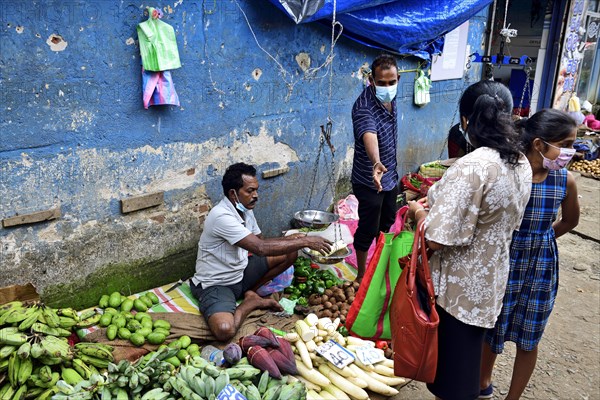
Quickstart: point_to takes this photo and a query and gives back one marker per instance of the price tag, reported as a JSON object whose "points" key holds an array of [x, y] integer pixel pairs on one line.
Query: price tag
{"points": [[335, 353], [230, 393], [369, 355]]}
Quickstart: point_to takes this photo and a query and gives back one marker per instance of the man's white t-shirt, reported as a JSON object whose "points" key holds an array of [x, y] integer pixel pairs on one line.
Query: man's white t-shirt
{"points": [[220, 261]]}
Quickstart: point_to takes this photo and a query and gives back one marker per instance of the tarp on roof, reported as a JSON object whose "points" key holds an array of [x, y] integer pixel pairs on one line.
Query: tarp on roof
{"points": [[415, 27]]}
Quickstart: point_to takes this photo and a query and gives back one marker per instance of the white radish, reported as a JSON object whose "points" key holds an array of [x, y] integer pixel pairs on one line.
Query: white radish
{"points": [[343, 384]]}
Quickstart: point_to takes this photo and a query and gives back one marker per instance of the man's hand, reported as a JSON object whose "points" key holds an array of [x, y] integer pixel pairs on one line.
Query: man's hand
{"points": [[318, 243], [378, 172]]}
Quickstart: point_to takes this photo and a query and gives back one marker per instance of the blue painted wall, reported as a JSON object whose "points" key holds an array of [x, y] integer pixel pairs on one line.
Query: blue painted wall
{"points": [[74, 132]]}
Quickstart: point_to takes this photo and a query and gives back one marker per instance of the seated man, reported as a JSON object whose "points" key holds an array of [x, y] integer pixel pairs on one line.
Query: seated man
{"points": [[224, 270]]}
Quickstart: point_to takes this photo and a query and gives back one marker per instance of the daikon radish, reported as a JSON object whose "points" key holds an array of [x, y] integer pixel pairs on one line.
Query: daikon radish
{"points": [[312, 375], [343, 384], [374, 384], [304, 354]]}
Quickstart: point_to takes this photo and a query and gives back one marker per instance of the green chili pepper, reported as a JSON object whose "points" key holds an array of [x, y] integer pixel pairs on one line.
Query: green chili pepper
{"points": [[343, 331], [302, 301]]}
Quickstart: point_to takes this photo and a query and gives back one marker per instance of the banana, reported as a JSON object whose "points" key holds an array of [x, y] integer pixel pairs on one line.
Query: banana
{"points": [[47, 360], [198, 386], [67, 322], [7, 391], [4, 365], [121, 394], [263, 382], [81, 368], [70, 376], [252, 393], [96, 362], [9, 329], [14, 363], [55, 348], [33, 393], [38, 327], [90, 321], [134, 381], [48, 393], [25, 369], [4, 308], [6, 351], [85, 314], [37, 350], [20, 393], [14, 339], [24, 350], [96, 351], [45, 373], [64, 387], [30, 320], [220, 382], [16, 315], [154, 394], [68, 312], [105, 394], [51, 317]]}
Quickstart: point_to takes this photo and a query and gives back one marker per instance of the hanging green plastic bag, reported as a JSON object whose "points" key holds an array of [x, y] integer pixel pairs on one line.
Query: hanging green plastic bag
{"points": [[369, 314], [158, 46], [422, 86]]}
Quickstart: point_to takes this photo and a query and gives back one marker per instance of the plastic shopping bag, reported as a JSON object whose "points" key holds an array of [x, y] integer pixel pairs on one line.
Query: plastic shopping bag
{"points": [[158, 45]]}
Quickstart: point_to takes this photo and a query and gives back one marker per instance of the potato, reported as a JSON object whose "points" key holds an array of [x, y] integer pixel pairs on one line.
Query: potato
{"points": [[327, 305]]}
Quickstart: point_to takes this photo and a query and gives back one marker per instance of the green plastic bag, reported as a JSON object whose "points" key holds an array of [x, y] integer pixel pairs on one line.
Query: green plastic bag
{"points": [[422, 86], [369, 314], [158, 45]]}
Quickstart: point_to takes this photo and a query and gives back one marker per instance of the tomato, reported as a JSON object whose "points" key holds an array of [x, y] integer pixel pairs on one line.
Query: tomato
{"points": [[381, 344]]}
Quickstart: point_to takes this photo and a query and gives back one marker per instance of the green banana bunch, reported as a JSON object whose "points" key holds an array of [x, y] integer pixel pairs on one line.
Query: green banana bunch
{"points": [[89, 321], [82, 368], [37, 350], [34, 392], [67, 322], [182, 387], [34, 313], [94, 361], [39, 327], [25, 369], [56, 347], [7, 336], [68, 312], [51, 317], [220, 382], [4, 308], [45, 373], [97, 350], [16, 314], [252, 393]]}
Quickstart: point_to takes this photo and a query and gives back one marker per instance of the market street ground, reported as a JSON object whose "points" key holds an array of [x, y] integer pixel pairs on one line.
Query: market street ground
{"points": [[568, 364]]}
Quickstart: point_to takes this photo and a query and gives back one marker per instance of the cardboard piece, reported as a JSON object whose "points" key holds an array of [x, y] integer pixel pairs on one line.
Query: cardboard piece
{"points": [[17, 292]]}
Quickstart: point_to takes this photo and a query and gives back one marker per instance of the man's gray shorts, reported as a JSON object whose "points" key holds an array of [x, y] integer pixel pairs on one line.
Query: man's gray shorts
{"points": [[216, 299]]}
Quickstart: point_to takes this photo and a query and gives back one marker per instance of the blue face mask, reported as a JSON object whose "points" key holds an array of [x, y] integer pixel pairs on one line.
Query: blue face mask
{"points": [[386, 94], [239, 206]]}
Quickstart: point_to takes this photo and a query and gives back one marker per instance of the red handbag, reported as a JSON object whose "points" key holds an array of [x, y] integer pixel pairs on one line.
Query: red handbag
{"points": [[413, 317]]}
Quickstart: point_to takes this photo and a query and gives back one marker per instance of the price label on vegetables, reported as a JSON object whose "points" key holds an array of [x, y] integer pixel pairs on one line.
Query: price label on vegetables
{"points": [[230, 393], [369, 355], [335, 353]]}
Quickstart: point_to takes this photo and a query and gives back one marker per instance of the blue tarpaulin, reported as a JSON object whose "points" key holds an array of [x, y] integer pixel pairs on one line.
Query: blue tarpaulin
{"points": [[415, 27]]}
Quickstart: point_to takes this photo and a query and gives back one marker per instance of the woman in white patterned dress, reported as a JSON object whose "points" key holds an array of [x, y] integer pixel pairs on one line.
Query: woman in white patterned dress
{"points": [[470, 215]]}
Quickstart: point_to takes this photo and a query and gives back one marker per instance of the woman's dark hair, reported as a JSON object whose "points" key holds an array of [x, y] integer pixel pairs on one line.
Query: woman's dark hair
{"points": [[383, 61], [232, 179], [548, 124], [487, 105]]}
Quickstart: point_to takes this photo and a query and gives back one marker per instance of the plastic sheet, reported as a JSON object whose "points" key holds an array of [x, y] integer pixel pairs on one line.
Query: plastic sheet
{"points": [[414, 27]]}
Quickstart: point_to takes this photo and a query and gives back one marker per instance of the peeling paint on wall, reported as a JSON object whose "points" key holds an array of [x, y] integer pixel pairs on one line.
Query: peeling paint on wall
{"points": [[56, 42], [303, 60], [256, 73]]}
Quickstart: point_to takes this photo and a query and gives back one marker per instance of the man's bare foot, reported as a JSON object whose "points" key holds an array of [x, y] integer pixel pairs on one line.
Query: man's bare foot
{"points": [[258, 302]]}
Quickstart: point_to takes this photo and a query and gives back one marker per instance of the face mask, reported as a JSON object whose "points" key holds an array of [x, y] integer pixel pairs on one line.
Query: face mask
{"points": [[386, 94], [559, 162], [239, 206], [465, 134]]}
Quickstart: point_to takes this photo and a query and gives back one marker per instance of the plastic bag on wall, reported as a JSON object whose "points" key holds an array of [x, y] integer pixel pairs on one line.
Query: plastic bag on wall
{"points": [[158, 45], [422, 86]]}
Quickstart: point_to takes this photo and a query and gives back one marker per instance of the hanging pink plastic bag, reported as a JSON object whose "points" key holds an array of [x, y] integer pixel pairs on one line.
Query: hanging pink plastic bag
{"points": [[278, 283]]}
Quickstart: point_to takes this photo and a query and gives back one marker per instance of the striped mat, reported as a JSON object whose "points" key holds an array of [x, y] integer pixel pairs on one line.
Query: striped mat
{"points": [[181, 300]]}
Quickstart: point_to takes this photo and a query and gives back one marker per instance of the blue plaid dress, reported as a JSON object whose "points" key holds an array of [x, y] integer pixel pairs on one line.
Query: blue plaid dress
{"points": [[533, 277]]}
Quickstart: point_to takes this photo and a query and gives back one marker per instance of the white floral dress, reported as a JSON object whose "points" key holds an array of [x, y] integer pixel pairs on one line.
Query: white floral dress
{"points": [[474, 210]]}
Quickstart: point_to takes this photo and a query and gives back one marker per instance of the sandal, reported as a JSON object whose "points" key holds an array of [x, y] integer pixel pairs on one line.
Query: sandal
{"points": [[486, 393]]}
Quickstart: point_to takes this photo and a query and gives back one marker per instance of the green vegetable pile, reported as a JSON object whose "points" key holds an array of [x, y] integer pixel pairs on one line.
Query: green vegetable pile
{"points": [[309, 279]]}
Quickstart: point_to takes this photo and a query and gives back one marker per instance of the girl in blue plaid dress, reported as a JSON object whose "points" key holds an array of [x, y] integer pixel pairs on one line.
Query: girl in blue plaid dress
{"points": [[548, 138]]}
